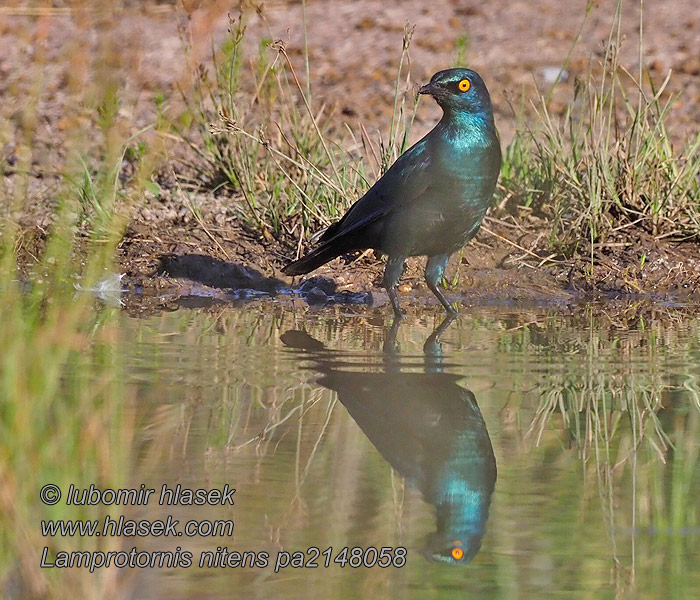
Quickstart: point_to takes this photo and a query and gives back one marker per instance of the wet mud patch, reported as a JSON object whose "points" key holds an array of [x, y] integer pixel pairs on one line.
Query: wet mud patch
{"points": [[168, 265], [189, 267]]}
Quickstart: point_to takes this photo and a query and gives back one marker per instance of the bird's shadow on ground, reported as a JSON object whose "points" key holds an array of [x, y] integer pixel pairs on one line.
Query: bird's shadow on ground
{"points": [[220, 274], [217, 273]]}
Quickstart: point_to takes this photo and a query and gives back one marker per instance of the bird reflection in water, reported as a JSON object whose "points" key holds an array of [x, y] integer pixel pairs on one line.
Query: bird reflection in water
{"points": [[426, 426]]}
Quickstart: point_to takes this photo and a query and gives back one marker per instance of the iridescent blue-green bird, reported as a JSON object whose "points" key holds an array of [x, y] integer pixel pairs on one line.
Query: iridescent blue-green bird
{"points": [[432, 200]]}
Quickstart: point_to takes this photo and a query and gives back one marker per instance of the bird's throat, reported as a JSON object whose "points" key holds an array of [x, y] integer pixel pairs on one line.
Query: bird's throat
{"points": [[465, 130]]}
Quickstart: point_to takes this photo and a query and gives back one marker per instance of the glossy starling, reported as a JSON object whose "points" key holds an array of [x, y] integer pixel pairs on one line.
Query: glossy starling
{"points": [[432, 200]]}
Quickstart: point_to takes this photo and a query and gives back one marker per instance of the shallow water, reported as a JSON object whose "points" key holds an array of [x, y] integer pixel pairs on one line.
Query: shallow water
{"points": [[338, 431]]}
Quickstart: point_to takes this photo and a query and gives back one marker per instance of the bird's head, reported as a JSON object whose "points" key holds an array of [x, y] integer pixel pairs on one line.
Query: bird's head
{"points": [[459, 90], [452, 552]]}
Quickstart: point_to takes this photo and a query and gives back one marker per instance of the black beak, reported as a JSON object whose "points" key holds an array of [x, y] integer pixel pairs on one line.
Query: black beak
{"points": [[432, 89]]}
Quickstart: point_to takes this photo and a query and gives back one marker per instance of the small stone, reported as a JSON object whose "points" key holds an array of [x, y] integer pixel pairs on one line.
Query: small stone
{"points": [[324, 284], [348, 297], [550, 74], [316, 296]]}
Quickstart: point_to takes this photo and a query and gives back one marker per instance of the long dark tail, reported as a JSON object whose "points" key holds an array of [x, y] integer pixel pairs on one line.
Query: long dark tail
{"points": [[313, 260]]}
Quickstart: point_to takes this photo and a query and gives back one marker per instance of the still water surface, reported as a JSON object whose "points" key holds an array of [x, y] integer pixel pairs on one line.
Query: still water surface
{"points": [[512, 454]]}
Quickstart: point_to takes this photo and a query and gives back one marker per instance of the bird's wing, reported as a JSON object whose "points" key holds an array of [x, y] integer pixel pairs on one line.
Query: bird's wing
{"points": [[405, 181]]}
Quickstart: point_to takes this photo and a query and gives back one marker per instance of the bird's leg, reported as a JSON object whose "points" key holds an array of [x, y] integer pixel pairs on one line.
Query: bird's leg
{"points": [[434, 270], [394, 297], [392, 274]]}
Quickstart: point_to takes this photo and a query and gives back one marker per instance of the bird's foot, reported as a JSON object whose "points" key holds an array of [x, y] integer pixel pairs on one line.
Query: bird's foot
{"points": [[447, 305]]}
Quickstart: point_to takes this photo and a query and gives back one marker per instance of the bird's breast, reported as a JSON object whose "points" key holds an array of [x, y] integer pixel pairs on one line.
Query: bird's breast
{"points": [[470, 170]]}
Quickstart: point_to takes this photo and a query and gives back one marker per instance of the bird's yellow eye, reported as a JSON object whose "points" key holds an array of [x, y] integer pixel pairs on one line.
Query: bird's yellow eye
{"points": [[458, 553], [464, 85]]}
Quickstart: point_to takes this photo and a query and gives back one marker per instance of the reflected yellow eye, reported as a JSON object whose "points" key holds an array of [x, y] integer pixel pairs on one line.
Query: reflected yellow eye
{"points": [[464, 85], [458, 553]]}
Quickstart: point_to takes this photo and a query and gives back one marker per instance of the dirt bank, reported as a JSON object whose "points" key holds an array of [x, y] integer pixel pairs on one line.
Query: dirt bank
{"points": [[507, 264], [354, 51]]}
